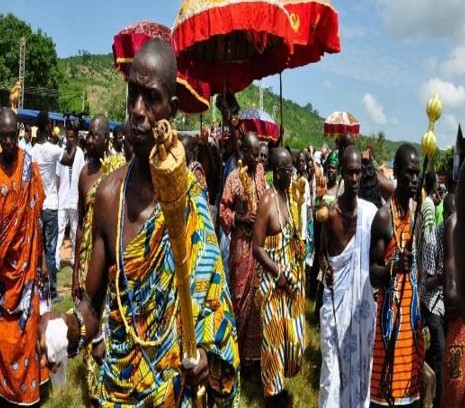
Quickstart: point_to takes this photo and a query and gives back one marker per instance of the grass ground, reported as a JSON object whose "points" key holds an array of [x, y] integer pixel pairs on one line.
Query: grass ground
{"points": [[303, 387]]}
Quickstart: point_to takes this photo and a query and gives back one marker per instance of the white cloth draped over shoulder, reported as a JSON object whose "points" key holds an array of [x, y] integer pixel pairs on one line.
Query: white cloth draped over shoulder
{"points": [[348, 339]]}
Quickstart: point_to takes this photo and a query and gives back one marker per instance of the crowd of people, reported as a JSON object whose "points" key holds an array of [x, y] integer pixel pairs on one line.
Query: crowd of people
{"points": [[267, 227]]}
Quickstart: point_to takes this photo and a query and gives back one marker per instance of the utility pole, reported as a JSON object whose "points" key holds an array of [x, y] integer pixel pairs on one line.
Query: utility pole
{"points": [[260, 94], [22, 70]]}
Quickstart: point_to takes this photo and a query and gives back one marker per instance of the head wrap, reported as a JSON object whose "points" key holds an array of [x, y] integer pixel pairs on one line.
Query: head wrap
{"points": [[332, 159]]}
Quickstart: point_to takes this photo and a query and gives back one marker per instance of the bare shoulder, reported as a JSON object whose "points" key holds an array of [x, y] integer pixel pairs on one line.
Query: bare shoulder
{"points": [[109, 187], [267, 198], [381, 226]]}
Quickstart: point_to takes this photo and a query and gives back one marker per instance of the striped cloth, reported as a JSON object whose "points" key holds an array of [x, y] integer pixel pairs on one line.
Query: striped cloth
{"points": [[406, 369], [433, 259], [132, 376], [282, 312]]}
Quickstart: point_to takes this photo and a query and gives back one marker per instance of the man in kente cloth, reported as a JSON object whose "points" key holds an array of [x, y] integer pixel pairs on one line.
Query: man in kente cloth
{"points": [[100, 164], [132, 256], [241, 195], [398, 351], [21, 198], [280, 282], [348, 314]]}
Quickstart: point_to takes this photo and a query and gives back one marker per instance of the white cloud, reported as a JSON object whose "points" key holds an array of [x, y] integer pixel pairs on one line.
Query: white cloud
{"points": [[374, 109], [424, 18], [451, 95], [455, 64]]}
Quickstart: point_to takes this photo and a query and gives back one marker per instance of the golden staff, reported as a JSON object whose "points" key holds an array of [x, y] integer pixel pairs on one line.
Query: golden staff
{"points": [[248, 187], [169, 176], [298, 195]]}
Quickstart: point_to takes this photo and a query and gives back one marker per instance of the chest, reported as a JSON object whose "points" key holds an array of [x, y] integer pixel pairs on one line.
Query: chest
{"points": [[127, 219], [339, 235]]}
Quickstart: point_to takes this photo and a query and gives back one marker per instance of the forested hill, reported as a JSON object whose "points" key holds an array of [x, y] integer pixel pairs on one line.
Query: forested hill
{"points": [[92, 84]]}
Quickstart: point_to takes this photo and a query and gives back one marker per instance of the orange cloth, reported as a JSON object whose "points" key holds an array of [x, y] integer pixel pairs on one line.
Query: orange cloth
{"points": [[409, 351], [21, 197]]}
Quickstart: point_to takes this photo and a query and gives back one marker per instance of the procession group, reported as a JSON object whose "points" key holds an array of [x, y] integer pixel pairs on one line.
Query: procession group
{"points": [[267, 229]]}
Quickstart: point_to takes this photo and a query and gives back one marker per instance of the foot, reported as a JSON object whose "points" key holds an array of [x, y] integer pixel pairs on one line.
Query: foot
{"points": [[57, 299]]}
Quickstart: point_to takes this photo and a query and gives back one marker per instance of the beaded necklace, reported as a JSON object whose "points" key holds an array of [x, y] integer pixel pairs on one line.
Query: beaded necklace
{"points": [[291, 221]]}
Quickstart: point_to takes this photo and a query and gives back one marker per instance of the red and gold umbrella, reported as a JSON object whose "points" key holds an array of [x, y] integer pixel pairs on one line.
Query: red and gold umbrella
{"points": [[339, 123], [260, 122], [193, 94], [315, 24], [229, 43]]}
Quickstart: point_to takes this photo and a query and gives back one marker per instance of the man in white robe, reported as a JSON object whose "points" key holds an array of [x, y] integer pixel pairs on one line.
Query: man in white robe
{"points": [[348, 313]]}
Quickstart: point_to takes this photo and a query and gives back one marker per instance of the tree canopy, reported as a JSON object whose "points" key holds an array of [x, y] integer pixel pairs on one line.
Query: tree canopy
{"points": [[42, 76]]}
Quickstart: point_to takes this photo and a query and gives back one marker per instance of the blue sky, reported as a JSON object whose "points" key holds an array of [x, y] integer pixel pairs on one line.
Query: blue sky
{"points": [[395, 54]]}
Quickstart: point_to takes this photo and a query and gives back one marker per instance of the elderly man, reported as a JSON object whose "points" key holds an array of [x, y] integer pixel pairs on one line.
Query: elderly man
{"points": [[280, 251], [21, 197], [100, 164], [348, 312], [133, 261], [398, 351], [242, 192]]}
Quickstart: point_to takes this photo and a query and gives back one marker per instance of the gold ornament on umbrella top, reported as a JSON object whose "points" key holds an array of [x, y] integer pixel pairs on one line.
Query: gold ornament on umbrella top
{"points": [[429, 141], [429, 147]]}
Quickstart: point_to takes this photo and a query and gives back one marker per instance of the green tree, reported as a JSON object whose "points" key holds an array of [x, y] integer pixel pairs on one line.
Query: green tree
{"points": [[42, 76], [377, 145]]}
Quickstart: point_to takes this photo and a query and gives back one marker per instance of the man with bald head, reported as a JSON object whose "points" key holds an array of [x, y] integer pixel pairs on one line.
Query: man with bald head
{"points": [[348, 313], [398, 352], [21, 198], [280, 250], [100, 163], [132, 262], [242, 192]]}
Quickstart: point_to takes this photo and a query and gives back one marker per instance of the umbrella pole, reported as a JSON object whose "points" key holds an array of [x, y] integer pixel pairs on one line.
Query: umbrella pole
{"points": [[281, 126]]}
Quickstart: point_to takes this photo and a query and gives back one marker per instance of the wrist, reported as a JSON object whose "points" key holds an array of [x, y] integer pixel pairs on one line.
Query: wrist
{"points": [[98, 339], [77, 331]]}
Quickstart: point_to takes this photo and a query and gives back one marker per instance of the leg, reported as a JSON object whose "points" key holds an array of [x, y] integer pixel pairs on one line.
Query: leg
{"points": [[62, 219], [73, 222], [435, 354], [50, 226]]}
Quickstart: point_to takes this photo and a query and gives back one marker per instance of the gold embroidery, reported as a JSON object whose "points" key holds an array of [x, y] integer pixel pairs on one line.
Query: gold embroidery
{"points": [[295, 21]]}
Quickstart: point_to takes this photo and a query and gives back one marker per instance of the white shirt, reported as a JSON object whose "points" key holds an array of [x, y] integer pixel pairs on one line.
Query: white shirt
{"points": [[27, 146], [47, 156], [68, 193]]}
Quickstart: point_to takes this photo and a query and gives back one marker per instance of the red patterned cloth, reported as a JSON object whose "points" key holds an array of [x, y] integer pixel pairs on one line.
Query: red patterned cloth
{"points": [[454, 364], [242, 263]]}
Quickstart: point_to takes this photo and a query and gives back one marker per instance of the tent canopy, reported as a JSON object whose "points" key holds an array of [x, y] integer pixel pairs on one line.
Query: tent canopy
{"points": [[30, 116]]}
